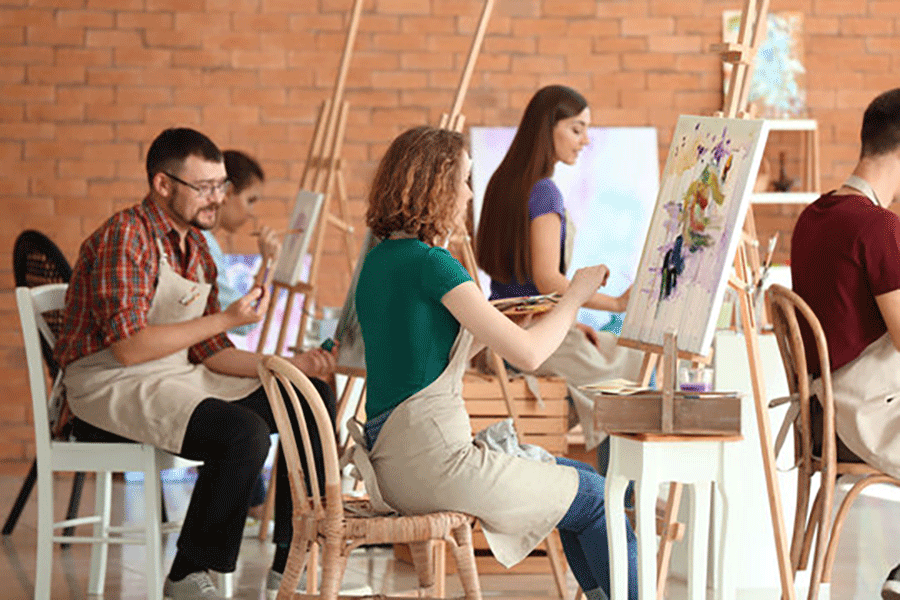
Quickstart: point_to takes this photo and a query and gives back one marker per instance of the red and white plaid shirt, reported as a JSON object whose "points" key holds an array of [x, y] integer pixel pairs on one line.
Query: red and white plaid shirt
{"points": [[114, 281]]}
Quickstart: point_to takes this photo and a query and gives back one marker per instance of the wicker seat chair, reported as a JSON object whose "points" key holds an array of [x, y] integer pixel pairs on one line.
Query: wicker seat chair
{"points": [[784, 308], [323, 517]]}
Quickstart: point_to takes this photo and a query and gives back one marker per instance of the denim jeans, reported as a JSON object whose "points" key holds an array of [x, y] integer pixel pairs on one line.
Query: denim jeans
{"points": [[583, 533]]}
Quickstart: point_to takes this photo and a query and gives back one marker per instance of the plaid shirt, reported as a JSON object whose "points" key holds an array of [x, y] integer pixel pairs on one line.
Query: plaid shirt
{"points": [[114, 281]]}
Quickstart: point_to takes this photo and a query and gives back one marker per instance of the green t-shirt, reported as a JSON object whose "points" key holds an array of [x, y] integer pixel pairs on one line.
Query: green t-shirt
{"points": [[407, 332]]}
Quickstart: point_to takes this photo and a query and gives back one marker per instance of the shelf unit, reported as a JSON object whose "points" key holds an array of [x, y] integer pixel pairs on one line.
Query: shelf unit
{"points": [[809, 152]]}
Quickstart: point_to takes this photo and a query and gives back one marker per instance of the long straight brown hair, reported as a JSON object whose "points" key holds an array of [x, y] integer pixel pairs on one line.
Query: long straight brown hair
{"points": [[503, 240]]}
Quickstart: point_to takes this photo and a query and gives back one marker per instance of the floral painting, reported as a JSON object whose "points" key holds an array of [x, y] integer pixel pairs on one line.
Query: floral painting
{"points": [[778, 87], [693, 235]]}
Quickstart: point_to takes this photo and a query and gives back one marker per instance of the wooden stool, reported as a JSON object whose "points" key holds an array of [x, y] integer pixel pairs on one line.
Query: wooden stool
{"points": [[651, 459]]}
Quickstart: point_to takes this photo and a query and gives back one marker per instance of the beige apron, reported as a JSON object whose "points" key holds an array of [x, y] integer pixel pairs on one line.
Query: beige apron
{"points": [[152, 402], [867, 405], [426, 460], [580, 362]]}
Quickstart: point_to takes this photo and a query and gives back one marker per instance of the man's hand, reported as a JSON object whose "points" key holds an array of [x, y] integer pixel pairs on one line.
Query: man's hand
{"points": [[269, 244], [248, 309], [315, 363]]}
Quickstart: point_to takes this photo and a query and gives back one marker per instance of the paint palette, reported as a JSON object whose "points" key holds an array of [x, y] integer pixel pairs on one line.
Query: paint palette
{"points": [[526, 305]]}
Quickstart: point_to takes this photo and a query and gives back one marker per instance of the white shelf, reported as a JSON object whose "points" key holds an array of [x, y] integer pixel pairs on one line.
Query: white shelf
{"points": [[784, 197], [792, 124]]}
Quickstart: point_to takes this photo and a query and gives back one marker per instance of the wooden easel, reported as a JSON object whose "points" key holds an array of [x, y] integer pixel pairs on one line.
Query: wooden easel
{"points": [[323, 170], [746, 273]]}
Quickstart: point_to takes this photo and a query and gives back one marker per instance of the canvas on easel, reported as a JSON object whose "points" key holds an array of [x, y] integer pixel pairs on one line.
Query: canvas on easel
{"points": [[305, 215], [696, 226]]}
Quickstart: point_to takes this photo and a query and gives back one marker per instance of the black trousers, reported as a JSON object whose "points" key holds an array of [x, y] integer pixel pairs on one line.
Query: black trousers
{"points": [[232, 440]]}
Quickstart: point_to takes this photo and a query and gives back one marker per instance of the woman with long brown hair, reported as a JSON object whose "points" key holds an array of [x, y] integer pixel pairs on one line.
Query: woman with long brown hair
{"points": [[524, 242], [420, 313]]}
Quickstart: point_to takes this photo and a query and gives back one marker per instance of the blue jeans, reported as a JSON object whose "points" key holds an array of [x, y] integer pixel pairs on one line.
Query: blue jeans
{"points": [[583, 533]]}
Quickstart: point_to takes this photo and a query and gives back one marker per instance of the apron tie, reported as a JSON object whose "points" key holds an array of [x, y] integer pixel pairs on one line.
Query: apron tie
{"points": [[358, 456]]}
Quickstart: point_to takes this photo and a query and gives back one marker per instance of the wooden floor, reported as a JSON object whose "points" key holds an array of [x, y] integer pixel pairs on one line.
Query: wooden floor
{"points": [[869, 547]]}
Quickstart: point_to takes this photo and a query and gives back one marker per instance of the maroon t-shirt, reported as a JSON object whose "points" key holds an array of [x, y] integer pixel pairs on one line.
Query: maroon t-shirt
{"points": [[845, 250]]}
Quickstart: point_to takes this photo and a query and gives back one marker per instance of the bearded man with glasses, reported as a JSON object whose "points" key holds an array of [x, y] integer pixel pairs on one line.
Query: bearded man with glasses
{"points": [[146, 358]]}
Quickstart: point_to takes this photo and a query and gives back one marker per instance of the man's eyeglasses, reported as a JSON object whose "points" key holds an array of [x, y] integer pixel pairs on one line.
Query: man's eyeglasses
{"points": [[204, 190]]}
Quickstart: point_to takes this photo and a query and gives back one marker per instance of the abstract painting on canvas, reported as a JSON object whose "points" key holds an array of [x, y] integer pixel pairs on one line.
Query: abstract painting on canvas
{"points": [[703, 199]]}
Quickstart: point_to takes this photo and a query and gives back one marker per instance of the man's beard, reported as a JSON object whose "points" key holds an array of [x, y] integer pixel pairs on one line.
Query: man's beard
{"points": [[195, 221]]}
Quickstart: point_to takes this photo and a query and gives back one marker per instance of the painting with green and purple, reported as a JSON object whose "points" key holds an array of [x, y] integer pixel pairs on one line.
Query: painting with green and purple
{"points": [[694, 230]]}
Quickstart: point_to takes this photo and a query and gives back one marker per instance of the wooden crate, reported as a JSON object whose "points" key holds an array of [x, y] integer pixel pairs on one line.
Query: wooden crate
{"points": [[691, 413], [536, 562], [545, 426]]}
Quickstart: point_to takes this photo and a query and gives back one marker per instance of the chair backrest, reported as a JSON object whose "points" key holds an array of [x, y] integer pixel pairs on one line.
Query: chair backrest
{"points": [[307, 502], [784, 307], [33, 304], [38, 261]]}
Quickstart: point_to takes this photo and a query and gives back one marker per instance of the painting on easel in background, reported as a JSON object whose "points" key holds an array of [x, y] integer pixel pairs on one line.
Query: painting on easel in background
{"points": [[693, 236], [348, 334], [609, 193], [778, 88], [289, 268]]}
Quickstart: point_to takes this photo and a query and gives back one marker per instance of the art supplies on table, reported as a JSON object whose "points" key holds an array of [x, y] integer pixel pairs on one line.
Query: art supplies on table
{"points": [[618, 387]]}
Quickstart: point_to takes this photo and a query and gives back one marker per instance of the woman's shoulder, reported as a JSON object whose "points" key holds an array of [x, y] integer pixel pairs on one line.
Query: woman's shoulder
{"points": [[545, 198]]}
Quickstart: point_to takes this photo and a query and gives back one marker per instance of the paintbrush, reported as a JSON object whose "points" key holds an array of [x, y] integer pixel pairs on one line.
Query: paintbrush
{"points": [[263, 281], [282, 232]]}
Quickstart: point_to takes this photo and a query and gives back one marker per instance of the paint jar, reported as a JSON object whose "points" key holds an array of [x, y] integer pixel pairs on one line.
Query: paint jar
{"points": [[695, 379]]}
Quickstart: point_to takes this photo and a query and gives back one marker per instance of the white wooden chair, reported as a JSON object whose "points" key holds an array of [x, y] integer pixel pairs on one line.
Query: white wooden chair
{"points": [[101, 458]]}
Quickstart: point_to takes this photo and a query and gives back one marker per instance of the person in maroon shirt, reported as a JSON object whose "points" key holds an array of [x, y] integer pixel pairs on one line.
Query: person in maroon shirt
{"points": [[146, 358], [845, 262]]}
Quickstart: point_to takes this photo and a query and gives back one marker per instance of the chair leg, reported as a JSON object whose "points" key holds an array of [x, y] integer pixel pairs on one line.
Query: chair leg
{"points": [[801, 510], [824, 519], [296, 562], [423, 561], [152, 527], [811, 527], [557, 562], [44, 550], [440, 569], [100, 550], [464, 555], [334, 562], [74, 501], [21, 499]]}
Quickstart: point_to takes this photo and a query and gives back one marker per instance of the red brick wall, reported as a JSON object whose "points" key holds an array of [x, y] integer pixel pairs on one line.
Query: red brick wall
{"points": [[86, 84]]}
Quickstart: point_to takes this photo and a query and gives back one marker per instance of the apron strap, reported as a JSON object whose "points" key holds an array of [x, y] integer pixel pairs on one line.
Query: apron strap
{"points": [[358, 456]]}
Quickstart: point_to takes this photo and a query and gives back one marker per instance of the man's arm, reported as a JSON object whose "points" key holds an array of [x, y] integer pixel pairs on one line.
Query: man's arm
{"points": [[156, 341], [241, 363], [889, 305]]}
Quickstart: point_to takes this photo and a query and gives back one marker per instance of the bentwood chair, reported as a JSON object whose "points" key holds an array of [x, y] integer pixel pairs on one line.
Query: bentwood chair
{"points": [[789, 312], [61, 455], [324, 517], [37, 261]]}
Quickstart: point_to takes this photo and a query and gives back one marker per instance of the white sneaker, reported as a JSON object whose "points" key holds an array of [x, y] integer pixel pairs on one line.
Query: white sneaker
{"points": [[273, 582], [196, 586]]}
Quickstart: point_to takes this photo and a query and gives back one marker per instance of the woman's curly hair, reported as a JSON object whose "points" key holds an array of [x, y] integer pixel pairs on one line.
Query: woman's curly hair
{"points": [[415, 185]]}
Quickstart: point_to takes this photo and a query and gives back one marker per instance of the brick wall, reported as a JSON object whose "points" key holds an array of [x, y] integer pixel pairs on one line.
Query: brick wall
{"points": [[86, 84]]}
